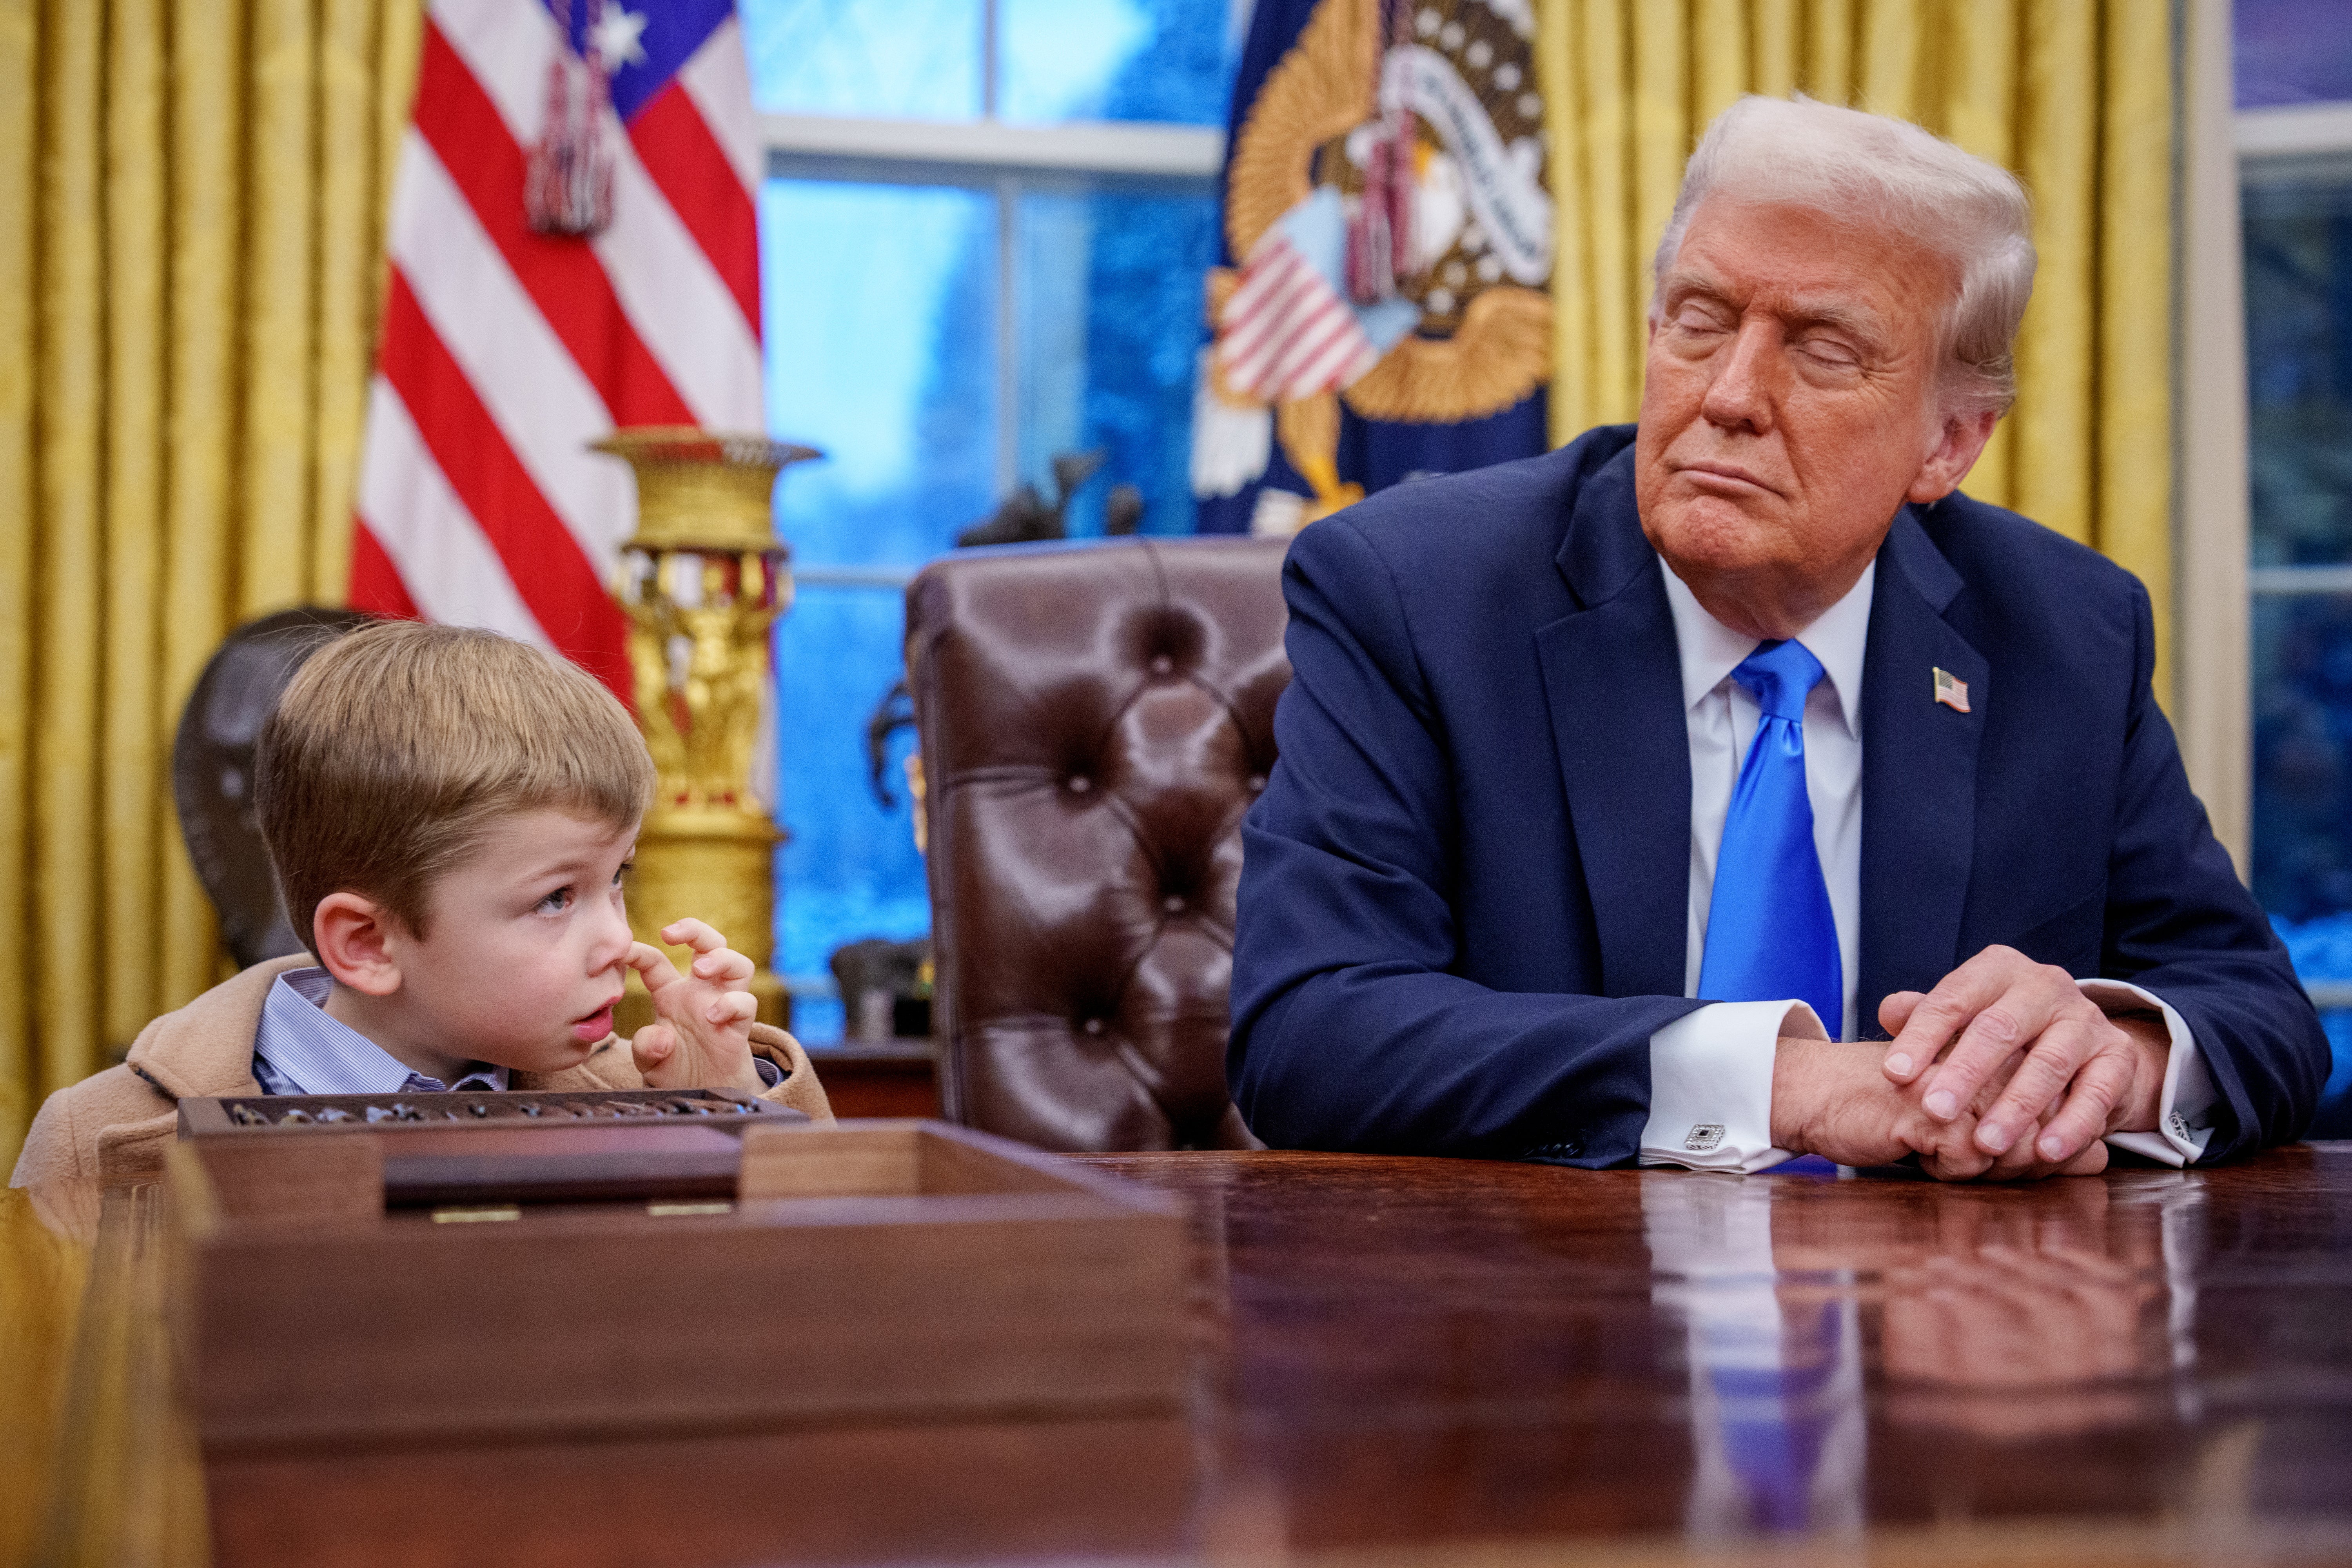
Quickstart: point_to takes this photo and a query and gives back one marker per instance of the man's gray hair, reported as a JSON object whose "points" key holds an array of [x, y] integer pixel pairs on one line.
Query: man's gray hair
{"points": [[1867, 168]]}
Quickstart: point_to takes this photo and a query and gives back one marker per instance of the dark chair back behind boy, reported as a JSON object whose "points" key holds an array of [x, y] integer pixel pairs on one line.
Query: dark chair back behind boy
{"points": [[212, 773], [1095, 720]]}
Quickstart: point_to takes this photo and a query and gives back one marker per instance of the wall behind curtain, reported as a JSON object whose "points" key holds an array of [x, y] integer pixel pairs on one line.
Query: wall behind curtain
{"points": [[2074, 95], [191, 212]]}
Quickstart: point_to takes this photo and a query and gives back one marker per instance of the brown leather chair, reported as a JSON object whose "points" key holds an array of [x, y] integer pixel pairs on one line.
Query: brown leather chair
{"points": [[1095, 720]]}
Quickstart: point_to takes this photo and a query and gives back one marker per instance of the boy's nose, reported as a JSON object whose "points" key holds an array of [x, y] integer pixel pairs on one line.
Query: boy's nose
{"points": [[613, 936]]}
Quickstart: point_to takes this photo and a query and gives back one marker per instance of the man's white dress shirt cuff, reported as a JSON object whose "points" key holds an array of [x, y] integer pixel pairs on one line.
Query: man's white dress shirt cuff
{"points": [[1711, 1085], [2184, 1115]]}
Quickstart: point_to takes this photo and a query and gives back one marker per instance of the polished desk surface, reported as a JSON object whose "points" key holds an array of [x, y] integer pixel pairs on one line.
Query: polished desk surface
{"points": [[1417, 1360]]}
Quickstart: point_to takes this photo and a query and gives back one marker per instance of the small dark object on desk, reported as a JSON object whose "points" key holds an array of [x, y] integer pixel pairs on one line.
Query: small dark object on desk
{"points": [[204, 1118], [886, 988], [423, 1169]]}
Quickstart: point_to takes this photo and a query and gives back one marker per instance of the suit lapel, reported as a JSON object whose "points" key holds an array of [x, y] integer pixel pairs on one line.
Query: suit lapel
{"points": [[1918, 773], [1612, 677]]}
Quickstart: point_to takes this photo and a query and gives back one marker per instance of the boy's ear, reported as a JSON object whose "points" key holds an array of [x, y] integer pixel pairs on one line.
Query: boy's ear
{"points": [[351, 937]]}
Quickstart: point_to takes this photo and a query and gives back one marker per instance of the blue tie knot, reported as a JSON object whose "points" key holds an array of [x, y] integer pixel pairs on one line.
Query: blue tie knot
{"points": [[1780, 676]]}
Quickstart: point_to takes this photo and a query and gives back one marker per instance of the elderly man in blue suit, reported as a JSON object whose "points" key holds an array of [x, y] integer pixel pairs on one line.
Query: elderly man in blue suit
{"points": [[1727, 786]]}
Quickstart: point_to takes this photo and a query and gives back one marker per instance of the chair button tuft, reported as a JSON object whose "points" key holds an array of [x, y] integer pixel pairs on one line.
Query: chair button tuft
{"points": [[1079, 783], [1092, 1027], [1162, 664], [1173, 904], [1257, 782]]}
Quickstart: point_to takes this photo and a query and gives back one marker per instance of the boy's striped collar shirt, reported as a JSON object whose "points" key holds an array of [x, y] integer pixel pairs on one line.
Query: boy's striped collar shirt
{"points": [[300, 1049]]}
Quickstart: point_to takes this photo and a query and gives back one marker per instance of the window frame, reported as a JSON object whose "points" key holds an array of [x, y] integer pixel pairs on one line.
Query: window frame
{"points": [[1008, 160], [2216, 583]]}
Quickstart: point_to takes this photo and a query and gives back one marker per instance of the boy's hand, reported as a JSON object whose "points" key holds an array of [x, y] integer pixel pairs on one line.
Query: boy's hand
{"points": [[704, 1037]]}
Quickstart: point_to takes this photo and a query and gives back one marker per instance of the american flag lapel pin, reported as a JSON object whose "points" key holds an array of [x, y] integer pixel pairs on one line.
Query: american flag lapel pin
{"points": [[1952, 692]]}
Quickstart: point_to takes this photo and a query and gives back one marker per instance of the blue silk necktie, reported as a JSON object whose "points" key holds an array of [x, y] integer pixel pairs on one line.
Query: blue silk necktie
{"points": [[1769, 932]]}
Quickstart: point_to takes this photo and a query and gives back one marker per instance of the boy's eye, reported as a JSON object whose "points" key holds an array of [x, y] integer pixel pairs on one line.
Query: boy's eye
{"points": [[626, 867], [555, 904]]}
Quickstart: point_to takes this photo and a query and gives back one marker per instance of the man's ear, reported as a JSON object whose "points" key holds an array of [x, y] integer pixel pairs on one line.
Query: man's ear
{"points": [[1963, 442], [353, 938]]}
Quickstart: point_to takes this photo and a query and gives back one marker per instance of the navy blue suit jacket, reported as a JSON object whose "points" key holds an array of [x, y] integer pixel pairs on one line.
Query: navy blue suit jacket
{"points": [[1463, 896]]}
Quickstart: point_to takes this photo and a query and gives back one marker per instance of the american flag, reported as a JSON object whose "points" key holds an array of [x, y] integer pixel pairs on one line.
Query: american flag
{"points": [[1287, 332], [1291, 330], [505, 350]]}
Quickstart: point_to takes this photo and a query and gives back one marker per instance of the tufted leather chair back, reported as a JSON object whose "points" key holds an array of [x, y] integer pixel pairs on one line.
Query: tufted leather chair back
{"points": [[1095, 720]]}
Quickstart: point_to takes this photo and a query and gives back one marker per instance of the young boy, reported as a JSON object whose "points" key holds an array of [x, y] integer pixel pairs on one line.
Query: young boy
{"points": [[449, 813]]}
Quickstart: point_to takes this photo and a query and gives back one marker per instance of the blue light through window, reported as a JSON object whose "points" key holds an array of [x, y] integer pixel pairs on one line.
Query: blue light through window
{"points": [[901, 59], [2298, 272], [882, 303]]}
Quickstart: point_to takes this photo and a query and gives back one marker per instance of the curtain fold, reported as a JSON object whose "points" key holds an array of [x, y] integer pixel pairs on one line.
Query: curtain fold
{"points": [[2075, 96], [192, 196]]}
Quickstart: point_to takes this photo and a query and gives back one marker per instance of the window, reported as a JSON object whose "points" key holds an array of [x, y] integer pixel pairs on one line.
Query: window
{"points": [[983, 235], [2294, 136]]}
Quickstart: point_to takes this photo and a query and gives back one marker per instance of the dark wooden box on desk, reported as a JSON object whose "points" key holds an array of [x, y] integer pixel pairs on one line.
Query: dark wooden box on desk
{"points": [[881, 1270]]}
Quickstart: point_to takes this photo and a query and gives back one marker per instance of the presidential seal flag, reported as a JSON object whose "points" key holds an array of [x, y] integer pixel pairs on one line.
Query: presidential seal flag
{"points": [[572, 248], [1386, 310]]}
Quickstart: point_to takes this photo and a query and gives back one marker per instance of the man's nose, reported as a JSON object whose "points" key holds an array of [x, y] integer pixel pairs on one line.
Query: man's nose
{"points": [[1739, 396]]}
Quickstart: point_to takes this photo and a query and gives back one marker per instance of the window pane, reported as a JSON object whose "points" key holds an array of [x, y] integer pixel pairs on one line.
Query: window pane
{"points": [[2302, 757], [907, 60], [880, 324], [1110, 321], [850, 868], [2299, 367], [881, 347], [2292, 51], [2299, 373], [1115, 59], [2303, 802]]}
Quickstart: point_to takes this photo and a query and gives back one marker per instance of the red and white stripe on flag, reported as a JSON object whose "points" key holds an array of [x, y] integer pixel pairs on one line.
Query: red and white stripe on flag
{"points": [[1285, 333], [504, 353]]}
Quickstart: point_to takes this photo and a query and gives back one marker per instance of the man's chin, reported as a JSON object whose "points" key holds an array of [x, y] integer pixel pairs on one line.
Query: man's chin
{"points": [[1717, 542]]}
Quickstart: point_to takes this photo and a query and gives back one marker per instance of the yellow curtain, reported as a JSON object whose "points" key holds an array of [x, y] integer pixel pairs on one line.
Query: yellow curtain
{"points": [[191, 225], [2075, 96]]}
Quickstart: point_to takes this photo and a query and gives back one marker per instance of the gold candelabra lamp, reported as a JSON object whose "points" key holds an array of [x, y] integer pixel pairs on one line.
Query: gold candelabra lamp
{"points": [[701, 583]]}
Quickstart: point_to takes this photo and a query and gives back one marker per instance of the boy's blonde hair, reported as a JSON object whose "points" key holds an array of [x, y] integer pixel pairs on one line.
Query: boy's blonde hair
{"points": [[398, 745]]}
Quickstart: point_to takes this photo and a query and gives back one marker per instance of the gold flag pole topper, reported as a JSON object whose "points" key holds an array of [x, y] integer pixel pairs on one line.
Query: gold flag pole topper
{"points": [[701, 583]]}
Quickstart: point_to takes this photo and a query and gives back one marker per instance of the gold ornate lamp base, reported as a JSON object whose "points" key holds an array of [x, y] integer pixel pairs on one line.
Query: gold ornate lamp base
{"points": [[701, 583]]}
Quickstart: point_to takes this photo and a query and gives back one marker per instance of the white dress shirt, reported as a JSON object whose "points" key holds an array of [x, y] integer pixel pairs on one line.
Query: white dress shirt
{"points": [[1711, 1070]]}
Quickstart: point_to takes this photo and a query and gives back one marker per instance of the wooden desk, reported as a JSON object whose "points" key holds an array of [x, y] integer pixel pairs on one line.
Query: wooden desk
{"points": [[889, 1078], [1442, 1360]]}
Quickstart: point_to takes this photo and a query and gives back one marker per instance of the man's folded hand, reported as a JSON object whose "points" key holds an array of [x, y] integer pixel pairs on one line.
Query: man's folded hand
{"points": [[1831, 1098], [2073, 1074]]}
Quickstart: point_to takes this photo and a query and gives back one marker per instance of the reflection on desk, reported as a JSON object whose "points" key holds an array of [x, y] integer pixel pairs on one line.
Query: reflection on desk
{"points": [[1453, 1361], [2004, 1319]]}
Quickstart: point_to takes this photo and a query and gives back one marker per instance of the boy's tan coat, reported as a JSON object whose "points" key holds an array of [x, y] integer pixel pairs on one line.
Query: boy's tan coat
{"points": [[114, 1127]]}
